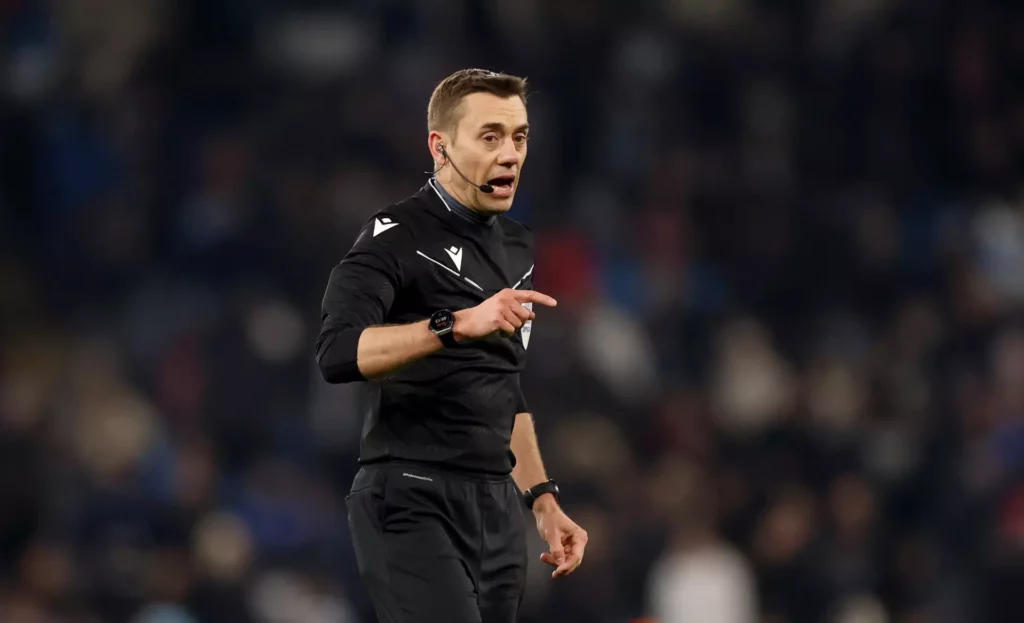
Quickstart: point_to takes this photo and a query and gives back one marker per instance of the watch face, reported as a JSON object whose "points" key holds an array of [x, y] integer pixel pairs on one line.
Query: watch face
{"points": [[442, 321]]}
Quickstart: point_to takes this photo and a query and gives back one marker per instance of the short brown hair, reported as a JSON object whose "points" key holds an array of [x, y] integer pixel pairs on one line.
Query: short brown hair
{"points": [[444, 107]]}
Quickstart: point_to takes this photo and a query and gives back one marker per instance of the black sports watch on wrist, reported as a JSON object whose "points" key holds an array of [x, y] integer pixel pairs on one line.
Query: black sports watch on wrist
{"points": [[530, 495], [442, 324]]}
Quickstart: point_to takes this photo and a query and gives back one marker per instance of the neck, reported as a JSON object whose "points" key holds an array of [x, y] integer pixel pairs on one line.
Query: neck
{"points": [[459, 208]]}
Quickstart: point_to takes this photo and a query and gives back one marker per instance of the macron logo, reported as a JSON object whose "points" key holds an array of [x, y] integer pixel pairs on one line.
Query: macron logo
{"points": [[456, 254], [381, 225]]}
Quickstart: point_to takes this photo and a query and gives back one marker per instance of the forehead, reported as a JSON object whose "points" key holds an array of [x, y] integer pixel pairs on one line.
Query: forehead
{"points": [[479, 109]]}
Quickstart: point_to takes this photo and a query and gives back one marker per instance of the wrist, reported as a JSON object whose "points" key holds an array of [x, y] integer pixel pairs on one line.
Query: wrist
{"points": [[461, 319], [542, 497], [545, 503], [438, 343], [442, 325]]}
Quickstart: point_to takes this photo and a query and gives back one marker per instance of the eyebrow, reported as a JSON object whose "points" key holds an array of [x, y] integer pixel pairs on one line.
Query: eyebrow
{"points": [[494, 125]]}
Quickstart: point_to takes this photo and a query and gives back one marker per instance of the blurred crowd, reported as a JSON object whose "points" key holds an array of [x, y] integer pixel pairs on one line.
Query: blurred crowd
{"points": [[785, 382]]}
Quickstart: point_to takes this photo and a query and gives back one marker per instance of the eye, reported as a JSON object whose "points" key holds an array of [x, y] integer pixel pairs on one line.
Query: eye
{"points": [[490, 139], [520, 139]]}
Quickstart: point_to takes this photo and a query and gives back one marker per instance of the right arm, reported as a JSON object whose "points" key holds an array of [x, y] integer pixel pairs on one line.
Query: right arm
{"points": [[359, 352], [354, 345], [385, 349]]}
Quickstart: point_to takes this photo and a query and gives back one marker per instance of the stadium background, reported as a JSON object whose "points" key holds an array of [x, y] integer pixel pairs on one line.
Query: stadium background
{"points": [[785, 383]]}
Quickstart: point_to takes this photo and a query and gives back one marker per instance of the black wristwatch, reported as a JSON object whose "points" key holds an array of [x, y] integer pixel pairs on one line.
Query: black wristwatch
{"points": [[531, 494], [442, 324]]}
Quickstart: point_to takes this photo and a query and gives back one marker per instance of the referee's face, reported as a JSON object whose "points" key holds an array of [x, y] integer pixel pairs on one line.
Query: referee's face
{"points": [[491, 149]]}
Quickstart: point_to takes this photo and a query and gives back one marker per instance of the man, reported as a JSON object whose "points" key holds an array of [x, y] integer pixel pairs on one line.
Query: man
{"points": [[433, 305]]}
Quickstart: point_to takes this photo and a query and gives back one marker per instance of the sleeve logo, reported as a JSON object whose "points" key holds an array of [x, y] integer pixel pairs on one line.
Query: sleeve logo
{"points": [[382, 224]]}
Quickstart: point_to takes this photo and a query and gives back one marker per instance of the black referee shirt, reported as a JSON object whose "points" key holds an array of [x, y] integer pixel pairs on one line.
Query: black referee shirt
{"points": [[425, 253]]}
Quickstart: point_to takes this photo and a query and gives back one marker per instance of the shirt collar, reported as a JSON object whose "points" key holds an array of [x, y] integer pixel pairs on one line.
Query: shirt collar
{"points": [[456, 207]]}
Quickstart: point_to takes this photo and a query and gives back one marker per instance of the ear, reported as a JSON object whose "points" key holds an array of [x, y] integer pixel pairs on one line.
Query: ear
{"points": [[434, 142]]}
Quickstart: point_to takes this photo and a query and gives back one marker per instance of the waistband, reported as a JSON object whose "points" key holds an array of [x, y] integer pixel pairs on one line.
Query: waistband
{"points": [[442, 469]]}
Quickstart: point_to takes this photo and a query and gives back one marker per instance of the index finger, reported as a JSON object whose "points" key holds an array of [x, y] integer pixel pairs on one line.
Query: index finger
{"points": [[530, 296]]}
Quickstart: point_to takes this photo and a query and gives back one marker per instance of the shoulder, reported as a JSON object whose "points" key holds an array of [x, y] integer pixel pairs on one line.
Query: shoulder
{"points": [[516, 230], [408, 211], [411, 209], [390, 229]]}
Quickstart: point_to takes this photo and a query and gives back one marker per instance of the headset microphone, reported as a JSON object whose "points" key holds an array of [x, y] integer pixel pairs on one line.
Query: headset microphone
{"points": [[484, 188]]}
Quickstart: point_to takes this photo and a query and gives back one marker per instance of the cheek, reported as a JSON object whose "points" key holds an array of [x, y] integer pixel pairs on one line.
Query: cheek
{"points": [[484, 163]]}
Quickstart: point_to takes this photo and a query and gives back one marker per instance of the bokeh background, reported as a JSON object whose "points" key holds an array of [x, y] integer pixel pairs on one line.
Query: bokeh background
{"points": [[785, 383]]}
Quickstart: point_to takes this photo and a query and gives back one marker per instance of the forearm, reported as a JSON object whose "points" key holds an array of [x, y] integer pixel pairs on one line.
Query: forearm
{"points": [[529, 470], [383, 350], [359, 354], [348, 350]]}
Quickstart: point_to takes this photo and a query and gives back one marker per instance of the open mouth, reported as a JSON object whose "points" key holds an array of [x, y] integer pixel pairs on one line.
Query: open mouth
{"points": [[502, 182]]}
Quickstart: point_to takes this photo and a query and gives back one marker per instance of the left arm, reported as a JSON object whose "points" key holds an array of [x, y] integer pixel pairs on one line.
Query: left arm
{"points": [[566, 539], [529, 469]]}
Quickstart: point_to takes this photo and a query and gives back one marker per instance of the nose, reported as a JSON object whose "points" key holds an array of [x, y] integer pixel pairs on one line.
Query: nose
{"points": [[508, 155]]}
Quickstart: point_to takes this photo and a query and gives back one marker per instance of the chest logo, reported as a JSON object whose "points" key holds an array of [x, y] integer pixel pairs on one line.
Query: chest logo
{"points": [[456, 254]]}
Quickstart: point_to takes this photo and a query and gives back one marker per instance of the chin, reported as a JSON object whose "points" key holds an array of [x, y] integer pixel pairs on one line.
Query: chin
{"points": [[498, 205]]}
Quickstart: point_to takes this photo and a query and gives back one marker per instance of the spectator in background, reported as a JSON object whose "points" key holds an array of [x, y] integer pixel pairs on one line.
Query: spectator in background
{"points": [[700, 576]]}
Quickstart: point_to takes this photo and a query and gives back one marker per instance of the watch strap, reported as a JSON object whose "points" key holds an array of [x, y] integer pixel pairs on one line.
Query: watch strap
{"points": [[448, 339], [530, 495]]}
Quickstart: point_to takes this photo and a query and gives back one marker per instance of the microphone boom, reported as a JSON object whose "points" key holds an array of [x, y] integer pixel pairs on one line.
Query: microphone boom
{"points": [[484, 188]]}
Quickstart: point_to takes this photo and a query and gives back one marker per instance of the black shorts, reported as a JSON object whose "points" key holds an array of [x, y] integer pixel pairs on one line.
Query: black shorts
{"points": [[433, 546]]}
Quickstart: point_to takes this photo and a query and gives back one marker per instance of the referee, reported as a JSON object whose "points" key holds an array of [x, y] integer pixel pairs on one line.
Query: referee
{"points": [[433, 306]]}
